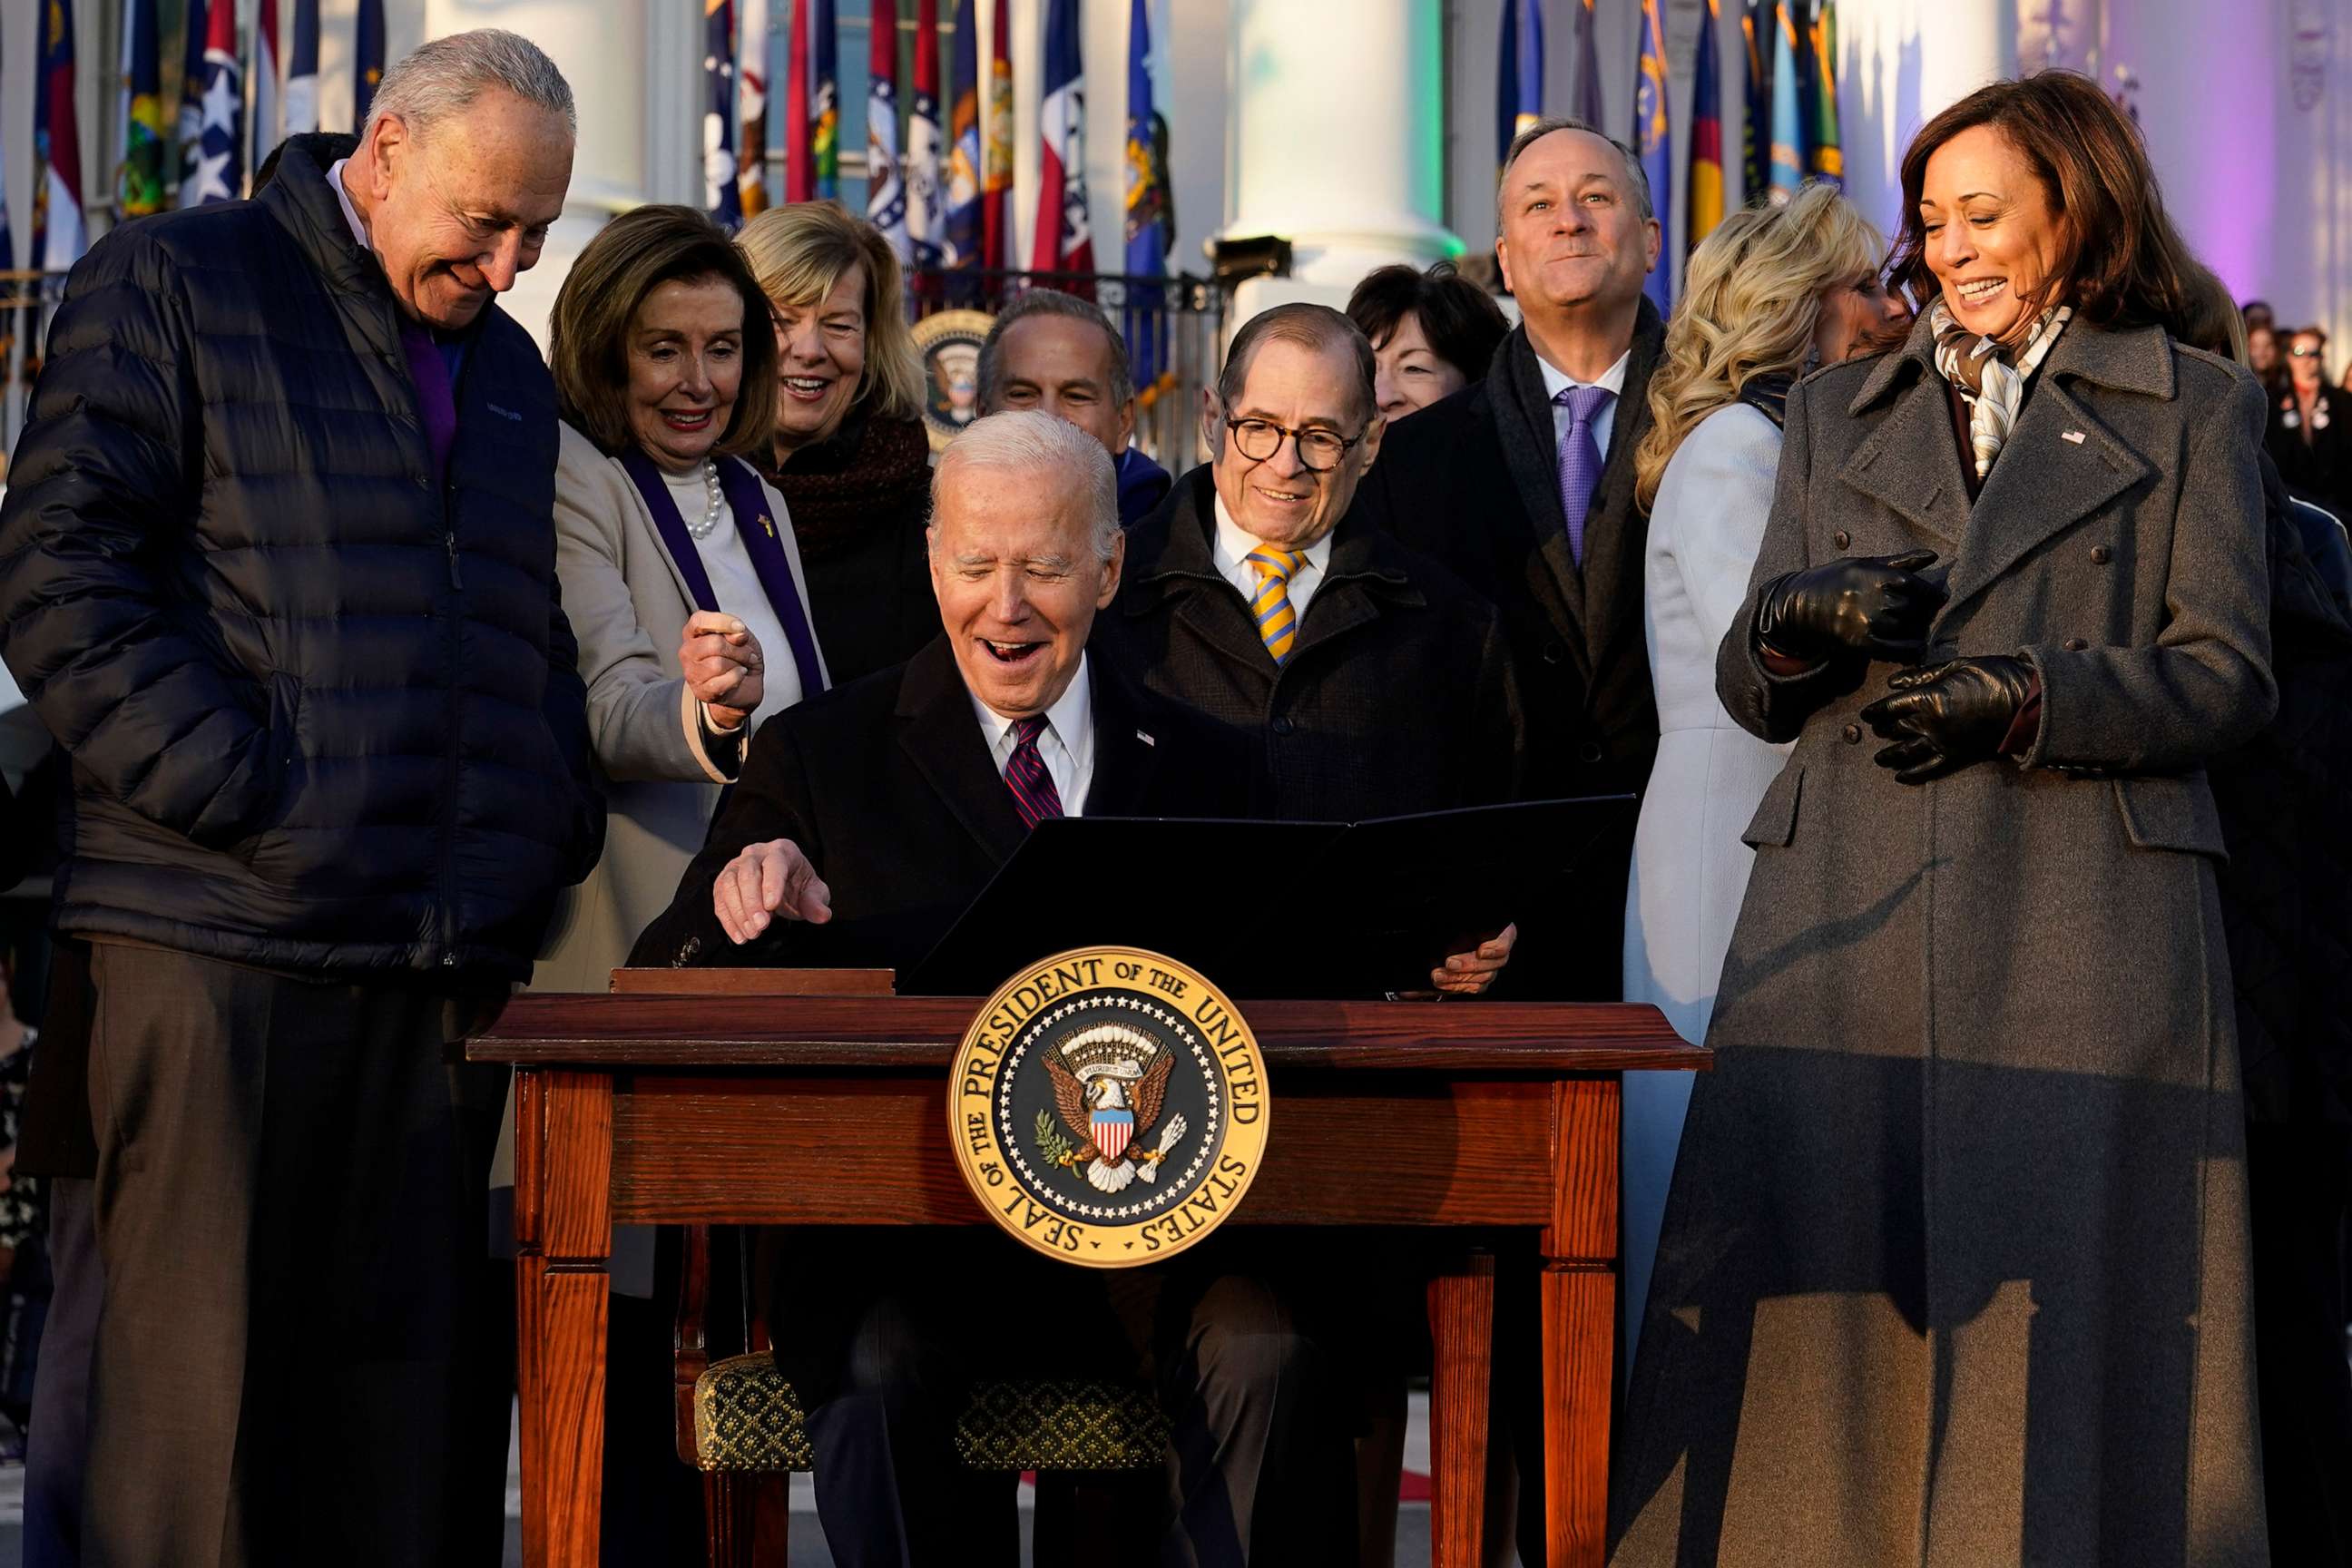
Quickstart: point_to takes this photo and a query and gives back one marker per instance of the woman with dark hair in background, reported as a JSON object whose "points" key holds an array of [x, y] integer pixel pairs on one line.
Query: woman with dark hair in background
{"points": [[1954, 1269], [1433, 333], [2310, 433], [2263, 357]]}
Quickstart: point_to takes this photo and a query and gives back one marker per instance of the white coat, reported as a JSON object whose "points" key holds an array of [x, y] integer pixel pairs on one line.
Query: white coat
{"points": [[1690, 869]]}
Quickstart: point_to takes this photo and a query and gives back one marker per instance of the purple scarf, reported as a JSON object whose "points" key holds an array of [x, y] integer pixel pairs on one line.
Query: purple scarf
{"points": [[757, 530]]}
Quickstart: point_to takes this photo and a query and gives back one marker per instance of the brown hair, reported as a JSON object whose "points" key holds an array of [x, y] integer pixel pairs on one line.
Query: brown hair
{"points": [[2120, 262], [799, 251], [2210, 318], [588, 333]]}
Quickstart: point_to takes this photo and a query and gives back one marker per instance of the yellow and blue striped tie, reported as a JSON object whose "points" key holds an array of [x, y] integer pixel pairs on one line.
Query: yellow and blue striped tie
{"points": [[1278, 623]]}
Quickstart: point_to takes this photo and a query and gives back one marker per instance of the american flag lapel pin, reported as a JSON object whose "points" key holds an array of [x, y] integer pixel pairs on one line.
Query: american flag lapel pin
{"points": [[2075, 436], [1145, 739]]}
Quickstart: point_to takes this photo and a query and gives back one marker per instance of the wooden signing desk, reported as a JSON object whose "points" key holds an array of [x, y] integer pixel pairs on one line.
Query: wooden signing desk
{"points": [[831, 1109]]}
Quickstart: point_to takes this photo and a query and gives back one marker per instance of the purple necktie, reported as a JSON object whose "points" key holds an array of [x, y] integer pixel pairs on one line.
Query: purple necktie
{"points": [[1034, 794], [1579, 459], [436, 406]]}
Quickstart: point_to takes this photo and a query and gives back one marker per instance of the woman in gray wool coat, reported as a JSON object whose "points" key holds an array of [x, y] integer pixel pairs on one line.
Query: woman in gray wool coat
{"points": [[1954, 1269]]}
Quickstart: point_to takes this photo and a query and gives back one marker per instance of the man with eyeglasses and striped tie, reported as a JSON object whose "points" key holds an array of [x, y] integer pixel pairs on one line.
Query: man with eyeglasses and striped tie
{"points": [[1369, 681]]}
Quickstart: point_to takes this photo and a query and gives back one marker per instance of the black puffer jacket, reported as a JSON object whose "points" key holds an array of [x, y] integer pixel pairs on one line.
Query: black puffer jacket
{"points": [[322, 717]]}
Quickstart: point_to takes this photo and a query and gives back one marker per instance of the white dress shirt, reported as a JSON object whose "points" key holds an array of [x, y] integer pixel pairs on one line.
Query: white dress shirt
{"points": [[1604, 423], [1229, 553], [343, 198], [735, 584], [1066, 745]]}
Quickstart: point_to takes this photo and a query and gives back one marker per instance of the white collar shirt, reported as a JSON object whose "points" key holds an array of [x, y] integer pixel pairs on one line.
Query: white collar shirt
{"points": [[343, 199], [1604, 423], [1066, 745], [1229, 553]]}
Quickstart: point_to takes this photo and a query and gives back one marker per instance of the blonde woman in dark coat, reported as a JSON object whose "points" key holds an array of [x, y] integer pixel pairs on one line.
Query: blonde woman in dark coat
{"points": [[1955, 1268]]}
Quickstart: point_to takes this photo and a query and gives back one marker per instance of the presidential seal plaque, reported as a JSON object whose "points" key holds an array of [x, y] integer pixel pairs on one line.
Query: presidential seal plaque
{"points": [[1108, 1107]]}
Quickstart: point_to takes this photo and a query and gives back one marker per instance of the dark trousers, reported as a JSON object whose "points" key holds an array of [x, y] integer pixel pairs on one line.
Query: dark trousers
{"points": [[291, 1182], [2298, 1176], [58, 1441], [1260, 1461]]}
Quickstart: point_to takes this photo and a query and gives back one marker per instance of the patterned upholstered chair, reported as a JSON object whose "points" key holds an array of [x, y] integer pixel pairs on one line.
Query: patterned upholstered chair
{"points": [[741, 1425]]}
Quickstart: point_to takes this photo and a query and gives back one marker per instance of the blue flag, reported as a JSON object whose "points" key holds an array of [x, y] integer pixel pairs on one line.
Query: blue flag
{"points": [[302, 71], [1788, 109], [1653, 133], [367, 59], [190, 131], [964, 151], [1148, 236], [1519, 73], [825, 99], [722, 195], [219, 173]]}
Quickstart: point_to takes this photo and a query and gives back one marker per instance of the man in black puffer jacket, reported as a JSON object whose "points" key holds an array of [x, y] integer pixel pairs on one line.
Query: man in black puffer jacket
{"points": [[277, 570]]}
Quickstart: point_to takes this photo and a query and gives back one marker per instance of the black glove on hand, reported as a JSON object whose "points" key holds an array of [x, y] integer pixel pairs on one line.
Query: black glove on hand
{"points": [[1875, 605], [1949, 716]]}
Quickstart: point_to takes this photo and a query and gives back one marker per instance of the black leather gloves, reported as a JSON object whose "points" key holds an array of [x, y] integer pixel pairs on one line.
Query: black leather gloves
{"points": [[1950, 716], [1875, 605]]}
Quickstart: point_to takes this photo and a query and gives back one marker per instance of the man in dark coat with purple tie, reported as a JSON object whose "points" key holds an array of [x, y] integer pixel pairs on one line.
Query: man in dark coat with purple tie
{"points": [[1523, 485]]}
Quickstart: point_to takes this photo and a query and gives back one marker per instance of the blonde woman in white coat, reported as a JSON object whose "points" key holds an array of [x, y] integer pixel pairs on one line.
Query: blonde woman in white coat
{"points": [[678, 566], [1771, 293]]}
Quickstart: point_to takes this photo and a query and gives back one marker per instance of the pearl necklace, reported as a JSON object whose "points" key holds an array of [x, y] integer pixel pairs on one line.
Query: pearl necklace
{"points": [[714, 509]]}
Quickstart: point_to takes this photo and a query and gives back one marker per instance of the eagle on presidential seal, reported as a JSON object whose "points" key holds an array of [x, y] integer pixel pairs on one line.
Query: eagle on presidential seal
{"points": [[1109, 1082]]}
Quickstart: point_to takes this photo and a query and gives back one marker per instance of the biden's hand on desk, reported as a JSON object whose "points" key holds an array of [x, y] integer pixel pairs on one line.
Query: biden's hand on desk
{"points": [[768, 880], [723, 667], [1468, 974]]}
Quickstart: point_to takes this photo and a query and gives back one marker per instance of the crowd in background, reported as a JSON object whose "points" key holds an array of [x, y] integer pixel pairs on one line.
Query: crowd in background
{"points": [[1955, 591]]}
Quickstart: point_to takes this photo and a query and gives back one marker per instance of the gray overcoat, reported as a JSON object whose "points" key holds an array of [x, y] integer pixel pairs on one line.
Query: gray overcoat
{"points": [[1954, 1271]]}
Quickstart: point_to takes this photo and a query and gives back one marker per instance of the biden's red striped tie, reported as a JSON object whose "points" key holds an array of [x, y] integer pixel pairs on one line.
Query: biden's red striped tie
{"points": [[1034, 794]]}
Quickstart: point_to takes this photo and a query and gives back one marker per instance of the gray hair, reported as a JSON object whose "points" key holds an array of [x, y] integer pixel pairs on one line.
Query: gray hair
{"points": [[1636, 179], [1027, 440], [444, 78], [1050, 302], [1317, 327]]}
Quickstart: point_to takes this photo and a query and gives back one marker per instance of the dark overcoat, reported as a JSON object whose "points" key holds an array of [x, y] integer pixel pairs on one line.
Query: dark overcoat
{"points": [[1397, 696], [1954, 1269]]}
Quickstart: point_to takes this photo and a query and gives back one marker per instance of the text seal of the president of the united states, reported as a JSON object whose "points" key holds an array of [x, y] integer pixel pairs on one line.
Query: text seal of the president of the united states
{"points": [[1108, 1107]]}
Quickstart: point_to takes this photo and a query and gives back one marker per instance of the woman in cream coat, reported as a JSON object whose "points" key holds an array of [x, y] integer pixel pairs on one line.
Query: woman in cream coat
{"points": [[1771, 293], [678, 567]]}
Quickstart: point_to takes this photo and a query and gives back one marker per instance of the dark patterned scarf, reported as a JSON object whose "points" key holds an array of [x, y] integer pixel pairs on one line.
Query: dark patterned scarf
{"points": [[869, 471]]}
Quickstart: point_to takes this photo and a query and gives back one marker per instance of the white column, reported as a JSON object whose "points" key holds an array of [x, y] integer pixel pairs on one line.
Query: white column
{"points": [[1334, 141], [1900, 63], [634, 67]]}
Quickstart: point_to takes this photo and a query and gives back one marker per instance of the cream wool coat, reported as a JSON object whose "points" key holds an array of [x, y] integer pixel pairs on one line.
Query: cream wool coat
{"points": [[1689, 867], [628, 603], [1954, 1273]]}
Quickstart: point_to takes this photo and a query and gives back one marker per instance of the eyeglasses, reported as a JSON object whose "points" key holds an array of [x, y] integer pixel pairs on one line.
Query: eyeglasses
{"points": [[2305, 354], [1260, 439]]}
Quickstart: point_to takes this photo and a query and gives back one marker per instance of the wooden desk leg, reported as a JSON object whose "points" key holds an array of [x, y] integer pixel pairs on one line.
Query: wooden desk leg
{"points": [[563, 1232], [1580, 1320], [1462, 1333]]}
